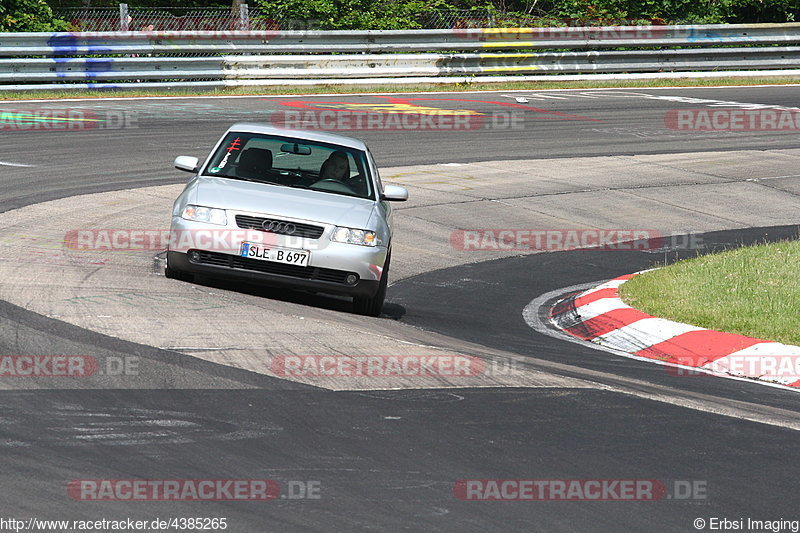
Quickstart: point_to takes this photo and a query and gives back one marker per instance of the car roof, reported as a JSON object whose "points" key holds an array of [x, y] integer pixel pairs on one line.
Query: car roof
{"points": [[307, 135]]}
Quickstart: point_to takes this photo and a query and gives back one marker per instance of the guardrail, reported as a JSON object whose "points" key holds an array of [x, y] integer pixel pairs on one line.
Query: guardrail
{"points": [[289, 57]]}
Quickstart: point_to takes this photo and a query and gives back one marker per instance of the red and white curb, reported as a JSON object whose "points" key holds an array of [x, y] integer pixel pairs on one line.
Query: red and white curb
{"points": [[599, 316]]}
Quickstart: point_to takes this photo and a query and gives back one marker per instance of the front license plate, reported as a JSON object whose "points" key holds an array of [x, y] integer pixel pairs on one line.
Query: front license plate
{"points": [[276, 255]]}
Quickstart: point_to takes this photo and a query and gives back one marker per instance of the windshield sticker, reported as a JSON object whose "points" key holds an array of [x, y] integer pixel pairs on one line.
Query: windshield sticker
{"points": [[235, 146], [215, 170]]}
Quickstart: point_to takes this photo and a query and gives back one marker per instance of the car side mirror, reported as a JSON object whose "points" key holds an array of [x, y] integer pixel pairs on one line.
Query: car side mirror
{"points": [[187, 163], [395, 193]]}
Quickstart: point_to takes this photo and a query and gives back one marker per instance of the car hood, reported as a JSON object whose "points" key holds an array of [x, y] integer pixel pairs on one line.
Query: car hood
{"points": [[326, 208]]}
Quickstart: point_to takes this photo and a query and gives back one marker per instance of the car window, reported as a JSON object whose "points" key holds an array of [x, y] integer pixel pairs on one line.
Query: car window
{"points": [[305, 164]]}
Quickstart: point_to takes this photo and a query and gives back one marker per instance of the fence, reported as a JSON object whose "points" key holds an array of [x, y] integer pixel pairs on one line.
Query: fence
{"points": [[125, 18], [216, 59]]}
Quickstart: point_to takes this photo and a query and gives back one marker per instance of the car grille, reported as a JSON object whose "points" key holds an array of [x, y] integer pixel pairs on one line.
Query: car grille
{"points": [[307, 231], [269, 267]]}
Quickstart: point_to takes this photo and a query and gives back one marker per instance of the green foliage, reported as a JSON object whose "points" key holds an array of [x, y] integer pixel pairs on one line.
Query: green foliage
{"points": [[351, 14], [404, 14], [138, 4], [678, 11], [28, 15], [753, 290], [741, 11], [36, 15]]}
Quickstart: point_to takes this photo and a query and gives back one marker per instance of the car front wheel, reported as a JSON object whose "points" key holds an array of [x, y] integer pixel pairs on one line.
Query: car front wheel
{"points": [[372, 306]]}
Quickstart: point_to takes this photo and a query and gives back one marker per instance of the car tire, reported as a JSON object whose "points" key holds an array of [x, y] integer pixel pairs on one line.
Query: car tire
{"points": [[372, 306]]}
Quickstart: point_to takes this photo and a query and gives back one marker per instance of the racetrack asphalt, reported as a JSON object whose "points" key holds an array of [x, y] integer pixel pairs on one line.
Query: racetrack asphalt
{"points": [[389, 460]]}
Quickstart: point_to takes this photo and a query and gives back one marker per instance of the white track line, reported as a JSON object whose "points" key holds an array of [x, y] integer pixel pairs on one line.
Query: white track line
{"points": [[4, 163]]}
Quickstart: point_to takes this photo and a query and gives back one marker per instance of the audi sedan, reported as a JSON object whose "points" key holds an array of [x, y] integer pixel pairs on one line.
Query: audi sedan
{"points": [[299, 209]]}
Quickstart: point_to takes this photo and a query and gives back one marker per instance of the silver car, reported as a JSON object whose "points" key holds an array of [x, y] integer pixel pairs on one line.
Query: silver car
{"points": [[301, 209]]}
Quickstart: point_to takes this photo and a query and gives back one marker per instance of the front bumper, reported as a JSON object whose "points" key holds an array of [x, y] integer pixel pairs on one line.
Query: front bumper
{"points": [[328, 268], [233, 267]]}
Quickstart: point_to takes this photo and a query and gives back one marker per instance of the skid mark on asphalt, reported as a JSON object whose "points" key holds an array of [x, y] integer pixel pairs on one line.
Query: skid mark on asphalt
{"points": [[73, 425]]}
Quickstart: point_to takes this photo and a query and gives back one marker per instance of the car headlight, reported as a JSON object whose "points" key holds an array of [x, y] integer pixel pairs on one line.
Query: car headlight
{"points": [[205, 214], [354, 236]]}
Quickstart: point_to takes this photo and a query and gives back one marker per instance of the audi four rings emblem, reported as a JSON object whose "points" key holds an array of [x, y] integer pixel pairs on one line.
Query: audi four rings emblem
{"points": [[276, 226]]}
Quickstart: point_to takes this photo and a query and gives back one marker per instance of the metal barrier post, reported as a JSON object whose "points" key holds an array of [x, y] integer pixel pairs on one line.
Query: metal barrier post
{"points": [[244, 17], [124, 18]]}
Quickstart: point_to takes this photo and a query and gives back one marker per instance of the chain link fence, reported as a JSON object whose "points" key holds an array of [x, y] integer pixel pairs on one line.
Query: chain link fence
{"points": [[126, 18], [161, 19]]}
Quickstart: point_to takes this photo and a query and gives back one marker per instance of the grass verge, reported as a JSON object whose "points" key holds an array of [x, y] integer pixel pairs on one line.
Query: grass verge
{"points": [[418, 88], [753, 291]]}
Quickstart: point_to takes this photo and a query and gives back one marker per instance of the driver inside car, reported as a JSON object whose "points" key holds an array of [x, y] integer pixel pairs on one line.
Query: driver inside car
{"points": [[336, 167]]}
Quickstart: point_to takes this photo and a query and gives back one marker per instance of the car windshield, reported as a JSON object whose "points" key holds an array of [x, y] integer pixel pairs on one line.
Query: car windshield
{"points": [[292, 162]]}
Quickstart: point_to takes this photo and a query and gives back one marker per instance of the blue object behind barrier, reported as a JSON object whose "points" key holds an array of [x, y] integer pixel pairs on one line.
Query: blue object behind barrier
{"points": [[710, 36], [65, 44], [91, 67]]}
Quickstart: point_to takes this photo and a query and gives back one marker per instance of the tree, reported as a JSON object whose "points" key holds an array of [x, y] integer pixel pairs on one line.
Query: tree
{"points": [[28, 15], [350, 14]]}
